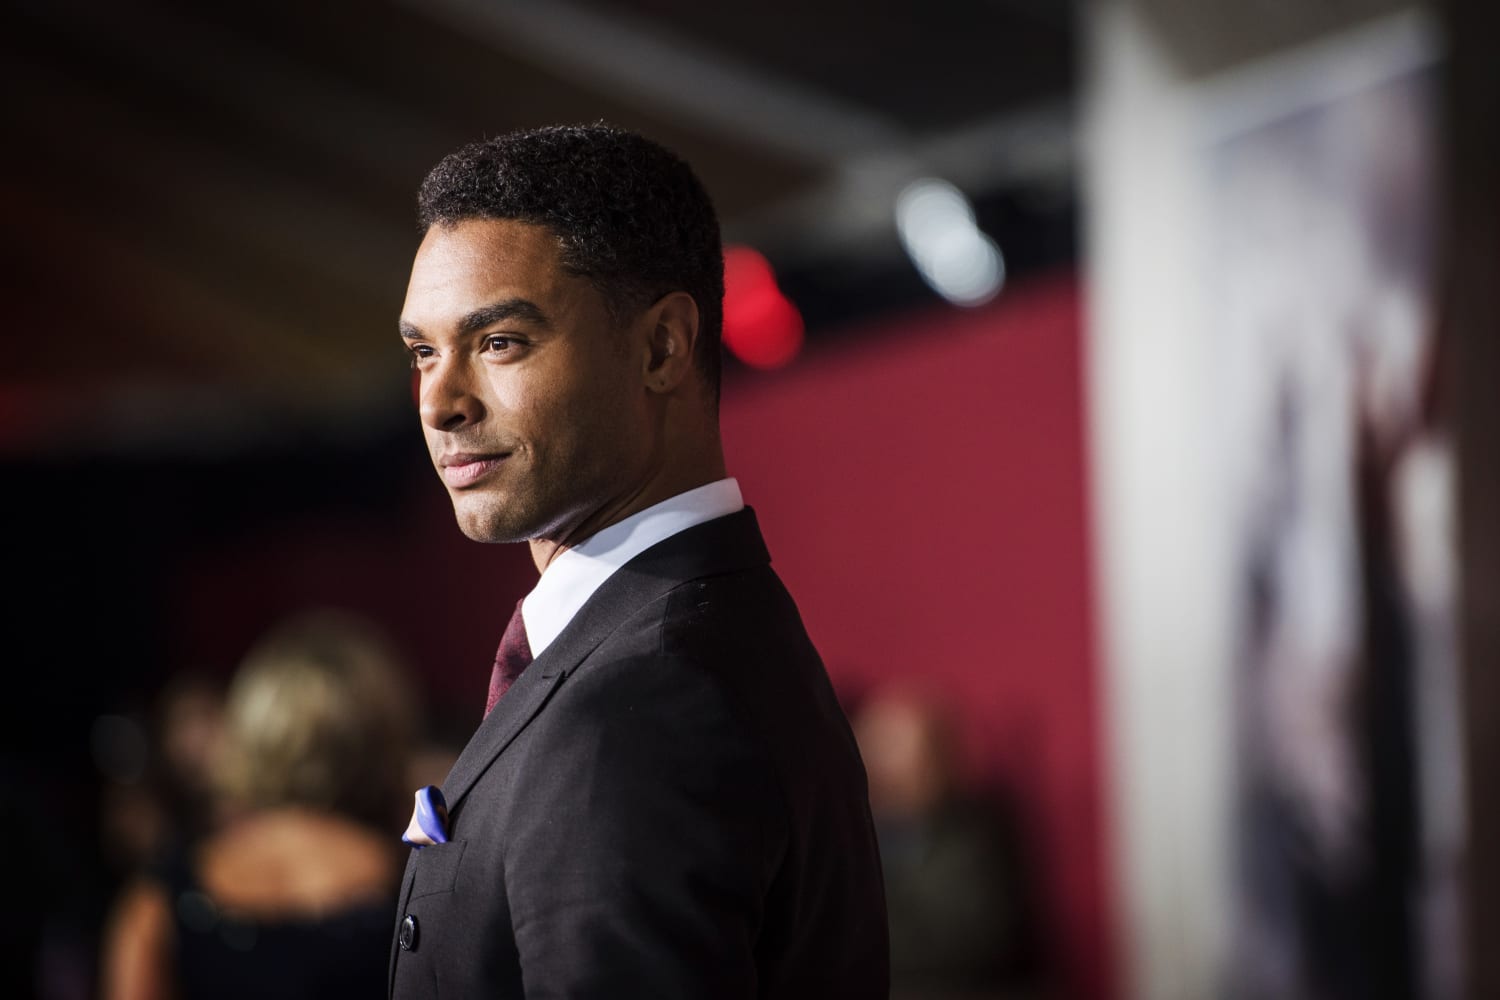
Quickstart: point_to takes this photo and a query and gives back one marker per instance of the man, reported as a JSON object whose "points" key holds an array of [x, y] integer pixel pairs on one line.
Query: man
{"points": [[664, 798]]}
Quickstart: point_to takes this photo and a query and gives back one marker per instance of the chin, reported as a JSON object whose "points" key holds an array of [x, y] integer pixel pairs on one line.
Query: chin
{"points": [[482, 519]]}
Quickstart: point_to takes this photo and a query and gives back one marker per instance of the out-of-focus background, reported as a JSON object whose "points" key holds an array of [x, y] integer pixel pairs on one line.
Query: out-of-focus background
{"points": [[1113, 381]]}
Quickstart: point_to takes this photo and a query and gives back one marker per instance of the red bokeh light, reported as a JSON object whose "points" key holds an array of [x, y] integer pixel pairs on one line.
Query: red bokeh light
{"points": [[761, 326]]}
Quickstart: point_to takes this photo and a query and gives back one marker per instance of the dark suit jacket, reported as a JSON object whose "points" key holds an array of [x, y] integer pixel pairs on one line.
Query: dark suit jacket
{"points": [[667, 803]]}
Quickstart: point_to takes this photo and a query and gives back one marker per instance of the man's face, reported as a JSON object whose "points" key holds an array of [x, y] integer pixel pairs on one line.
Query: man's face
{"points": [[532, 401]]}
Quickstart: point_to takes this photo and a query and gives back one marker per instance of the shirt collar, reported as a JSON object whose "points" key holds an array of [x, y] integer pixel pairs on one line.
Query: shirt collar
{"points": [[573, 576]]}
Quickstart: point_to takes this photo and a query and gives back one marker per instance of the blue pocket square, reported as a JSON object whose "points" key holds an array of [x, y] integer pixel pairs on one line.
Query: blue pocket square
{"points": [[429, 819]]}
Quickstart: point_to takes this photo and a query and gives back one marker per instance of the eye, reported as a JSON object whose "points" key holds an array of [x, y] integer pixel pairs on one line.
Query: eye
{"points": [[504, 347], [419, 352]]}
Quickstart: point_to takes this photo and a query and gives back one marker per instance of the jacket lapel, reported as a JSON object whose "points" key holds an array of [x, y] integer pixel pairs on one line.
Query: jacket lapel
{"points": [[719, 546]]}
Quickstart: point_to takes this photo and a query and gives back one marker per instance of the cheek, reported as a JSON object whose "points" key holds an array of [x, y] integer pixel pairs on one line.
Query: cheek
{"points": [[583, 418], [543, 420]]}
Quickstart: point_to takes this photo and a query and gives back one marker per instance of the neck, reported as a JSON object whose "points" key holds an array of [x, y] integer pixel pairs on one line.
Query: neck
{"points": [[667, 483]]}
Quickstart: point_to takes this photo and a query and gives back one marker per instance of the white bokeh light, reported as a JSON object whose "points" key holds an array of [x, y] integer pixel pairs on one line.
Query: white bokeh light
{"points": [[936, 226]]}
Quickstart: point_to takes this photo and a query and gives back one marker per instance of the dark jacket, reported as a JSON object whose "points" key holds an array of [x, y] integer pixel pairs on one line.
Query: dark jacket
{"points": [[667, 803]]}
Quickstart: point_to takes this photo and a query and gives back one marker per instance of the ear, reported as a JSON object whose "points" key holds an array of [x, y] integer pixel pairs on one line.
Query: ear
{"points": [[672, 335]]}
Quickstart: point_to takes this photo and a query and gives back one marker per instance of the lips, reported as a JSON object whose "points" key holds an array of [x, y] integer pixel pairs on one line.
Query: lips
{"points": [[460, 471]]}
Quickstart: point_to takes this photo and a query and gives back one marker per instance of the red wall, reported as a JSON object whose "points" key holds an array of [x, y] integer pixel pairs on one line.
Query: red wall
{"points": [[921, 487]]}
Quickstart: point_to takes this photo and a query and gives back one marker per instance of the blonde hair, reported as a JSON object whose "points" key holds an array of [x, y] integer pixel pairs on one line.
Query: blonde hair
{"points": [[319, 714]]}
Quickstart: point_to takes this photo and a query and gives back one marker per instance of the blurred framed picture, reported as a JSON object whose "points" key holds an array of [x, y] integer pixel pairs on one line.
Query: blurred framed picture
{"points": [[1346, 798]]}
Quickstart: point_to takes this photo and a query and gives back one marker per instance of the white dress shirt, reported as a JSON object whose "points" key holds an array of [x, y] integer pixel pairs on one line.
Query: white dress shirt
{"points": [[573, 576]]}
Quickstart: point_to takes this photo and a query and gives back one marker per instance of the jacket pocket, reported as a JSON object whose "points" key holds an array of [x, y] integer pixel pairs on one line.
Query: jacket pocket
{"points": [[435, 868]]}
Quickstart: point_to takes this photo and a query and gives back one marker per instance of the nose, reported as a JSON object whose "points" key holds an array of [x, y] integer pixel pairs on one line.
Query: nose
{"points": [[445, 395]]}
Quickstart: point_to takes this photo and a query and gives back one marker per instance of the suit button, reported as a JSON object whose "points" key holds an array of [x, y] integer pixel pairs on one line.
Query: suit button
{"points": [[407, 938]]}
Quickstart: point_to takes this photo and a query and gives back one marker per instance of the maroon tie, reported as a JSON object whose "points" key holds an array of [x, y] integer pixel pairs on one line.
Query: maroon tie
{"points": [[513, 656]]}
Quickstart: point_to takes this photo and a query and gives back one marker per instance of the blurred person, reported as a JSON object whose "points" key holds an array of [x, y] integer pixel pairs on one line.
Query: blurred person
{"points": [[291, 896], [961, 920], [158, 793], [664, 798], [190, 729]]}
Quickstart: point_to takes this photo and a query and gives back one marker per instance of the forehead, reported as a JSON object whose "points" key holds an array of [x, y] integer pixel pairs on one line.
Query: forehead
{"points": [[481, 260]]}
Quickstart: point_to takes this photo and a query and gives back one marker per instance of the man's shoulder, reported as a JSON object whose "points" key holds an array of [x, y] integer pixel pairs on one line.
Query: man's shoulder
{"points": [[682, 642], [711, 648], [747, 615]]}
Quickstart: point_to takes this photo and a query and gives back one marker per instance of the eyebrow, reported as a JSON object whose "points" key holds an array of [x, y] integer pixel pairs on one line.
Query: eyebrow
{"points": [[495, 312]]}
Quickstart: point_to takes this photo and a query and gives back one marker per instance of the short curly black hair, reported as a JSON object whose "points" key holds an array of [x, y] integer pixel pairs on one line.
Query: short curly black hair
{"points": [[629, 214]]}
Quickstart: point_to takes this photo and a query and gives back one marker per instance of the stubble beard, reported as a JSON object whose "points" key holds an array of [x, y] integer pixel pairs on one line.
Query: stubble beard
{"points": [[485, 517], [522, 515], [537, 497]]}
